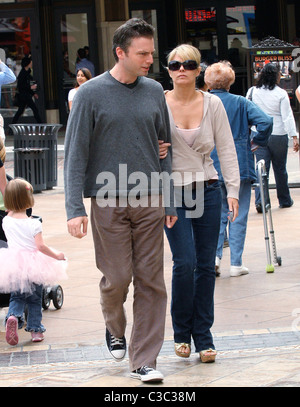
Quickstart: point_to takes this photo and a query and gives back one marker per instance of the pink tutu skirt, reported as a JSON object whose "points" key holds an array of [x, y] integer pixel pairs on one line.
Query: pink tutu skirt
{"points": [[20, 269]]}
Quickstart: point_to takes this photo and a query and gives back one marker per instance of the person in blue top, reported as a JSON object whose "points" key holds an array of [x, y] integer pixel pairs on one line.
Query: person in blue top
{"points": [[6, 76], [83, 62], [242, 113]]}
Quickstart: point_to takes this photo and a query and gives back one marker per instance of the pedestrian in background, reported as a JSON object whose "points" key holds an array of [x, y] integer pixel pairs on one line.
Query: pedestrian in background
{"points": [[200, 83], [26, 91], [275, 102], [298, 93], [83, 62], [6, 77], [242, 114], [82, 76]]}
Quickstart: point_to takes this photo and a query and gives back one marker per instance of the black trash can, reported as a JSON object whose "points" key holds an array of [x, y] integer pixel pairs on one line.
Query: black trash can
{"points": [[39, 136], [30, 164]]}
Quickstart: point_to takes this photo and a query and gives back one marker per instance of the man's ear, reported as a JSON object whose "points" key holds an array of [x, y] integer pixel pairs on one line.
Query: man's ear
{"points": [[120, 53]]}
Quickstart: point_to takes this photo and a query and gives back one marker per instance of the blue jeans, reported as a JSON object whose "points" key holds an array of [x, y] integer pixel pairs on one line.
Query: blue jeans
{"points": [[276, 153], [193, 243], [238, 228], [33, 301]]}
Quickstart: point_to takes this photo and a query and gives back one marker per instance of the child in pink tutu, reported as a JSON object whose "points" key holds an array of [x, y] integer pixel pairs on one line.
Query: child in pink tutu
{"points": [[27, 264]]}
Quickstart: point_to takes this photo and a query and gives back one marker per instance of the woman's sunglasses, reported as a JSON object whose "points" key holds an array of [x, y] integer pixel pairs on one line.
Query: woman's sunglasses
{"points": [[188, 65]]}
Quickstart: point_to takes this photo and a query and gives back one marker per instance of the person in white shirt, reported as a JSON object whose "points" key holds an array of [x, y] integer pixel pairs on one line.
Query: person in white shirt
{"points": [[82, 76], [298, 93], [274, 101]]}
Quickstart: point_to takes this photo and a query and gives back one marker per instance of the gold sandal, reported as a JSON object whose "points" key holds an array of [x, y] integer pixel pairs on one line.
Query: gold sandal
{"points": [[178, 346], [208, 355]]}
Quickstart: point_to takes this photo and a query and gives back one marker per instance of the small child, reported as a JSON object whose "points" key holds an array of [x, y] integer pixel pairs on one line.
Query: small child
{"points": [[27, 264]]}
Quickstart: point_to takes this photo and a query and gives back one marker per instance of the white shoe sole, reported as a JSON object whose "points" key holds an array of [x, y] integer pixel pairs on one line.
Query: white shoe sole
{"points": [[238, 271], [157, 377]]}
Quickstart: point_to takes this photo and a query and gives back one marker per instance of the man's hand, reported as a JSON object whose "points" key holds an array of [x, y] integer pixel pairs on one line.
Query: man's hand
{"points": [[170, 221], [295, 144], [77, 227], [163, 149]]}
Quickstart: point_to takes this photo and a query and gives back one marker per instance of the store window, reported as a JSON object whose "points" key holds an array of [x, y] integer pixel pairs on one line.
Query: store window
{"points": [[17, 1], [73, 35], [241, 33], [15, 43], [74, 31], [201, 29]]}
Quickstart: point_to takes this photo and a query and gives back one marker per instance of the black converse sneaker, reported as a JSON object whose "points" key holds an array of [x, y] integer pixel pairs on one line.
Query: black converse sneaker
{"points": [[116, 346], [147, 374]]}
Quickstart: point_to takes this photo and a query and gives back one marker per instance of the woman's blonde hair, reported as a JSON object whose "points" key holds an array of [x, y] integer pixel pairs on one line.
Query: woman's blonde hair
{"points": [[18, 195], [2, 151], [185, 52], [219, 75]]}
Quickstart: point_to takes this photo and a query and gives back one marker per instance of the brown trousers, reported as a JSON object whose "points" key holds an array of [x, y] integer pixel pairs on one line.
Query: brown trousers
{"points": [[129, 246]]}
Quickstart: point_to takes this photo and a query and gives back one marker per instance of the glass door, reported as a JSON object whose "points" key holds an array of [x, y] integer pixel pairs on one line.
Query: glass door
{"points": [[74, 31], [201, 29], [151, 17], [19, 38], [153, 13], [241, 35]]}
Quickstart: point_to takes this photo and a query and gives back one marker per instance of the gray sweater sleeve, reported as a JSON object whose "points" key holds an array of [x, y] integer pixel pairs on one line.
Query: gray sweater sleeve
{"points": [[77, 141], [166, 164]]}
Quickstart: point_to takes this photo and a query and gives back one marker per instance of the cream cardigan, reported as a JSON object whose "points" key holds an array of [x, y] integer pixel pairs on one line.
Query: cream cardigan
{"points": [[214, 131]]}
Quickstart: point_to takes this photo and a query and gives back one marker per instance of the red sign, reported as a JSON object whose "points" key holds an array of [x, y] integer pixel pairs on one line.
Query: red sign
{"points": [[195, 16]]}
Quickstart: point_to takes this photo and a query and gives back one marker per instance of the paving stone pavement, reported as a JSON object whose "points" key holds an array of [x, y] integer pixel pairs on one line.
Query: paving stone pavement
{"points": [[256, 329], [87, 353]]}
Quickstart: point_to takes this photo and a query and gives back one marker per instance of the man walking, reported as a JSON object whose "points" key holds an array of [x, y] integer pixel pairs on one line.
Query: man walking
{"points": [[112, 135], [26, 91]]}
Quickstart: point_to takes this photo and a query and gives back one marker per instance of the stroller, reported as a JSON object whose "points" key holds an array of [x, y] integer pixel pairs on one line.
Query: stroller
{"points": [[266, 209]]}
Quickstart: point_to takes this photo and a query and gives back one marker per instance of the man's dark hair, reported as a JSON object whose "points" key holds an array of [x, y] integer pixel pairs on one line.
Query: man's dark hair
{"points": [[133, 28], [268, 76], [25, 61], [200, 79], [81, 53]]}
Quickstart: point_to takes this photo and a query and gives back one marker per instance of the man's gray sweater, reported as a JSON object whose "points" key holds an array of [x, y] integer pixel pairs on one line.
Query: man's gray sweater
{"points": [[111, 127]]}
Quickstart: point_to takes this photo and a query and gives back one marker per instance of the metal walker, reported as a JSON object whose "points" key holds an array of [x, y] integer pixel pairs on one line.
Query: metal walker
{"points": [[266, 209]]}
